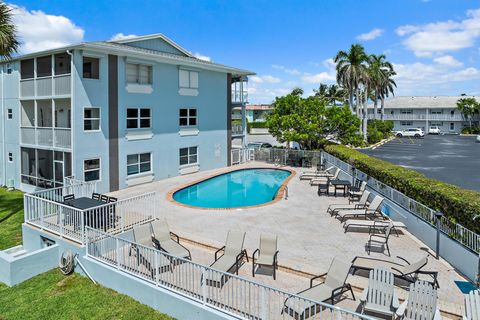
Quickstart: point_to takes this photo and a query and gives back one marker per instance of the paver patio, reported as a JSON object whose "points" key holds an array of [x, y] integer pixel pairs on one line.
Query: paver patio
{"points": [[308, 237]]}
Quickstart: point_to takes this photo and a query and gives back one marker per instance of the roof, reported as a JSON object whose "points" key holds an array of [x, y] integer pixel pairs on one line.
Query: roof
{"points": [[423, 102], [122, 48], [259, 107]]}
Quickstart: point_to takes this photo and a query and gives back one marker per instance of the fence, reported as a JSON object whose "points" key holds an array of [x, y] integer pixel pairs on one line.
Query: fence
{"points": [[241, 155], [46, 210], [215, 289]]}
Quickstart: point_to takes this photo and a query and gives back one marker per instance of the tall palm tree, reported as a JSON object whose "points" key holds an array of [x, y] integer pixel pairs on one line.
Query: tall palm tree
{"points": [[468, 107], [336, 94], [8, 32], [386, 87], [321, 91], [351, 69], [378, 69]]}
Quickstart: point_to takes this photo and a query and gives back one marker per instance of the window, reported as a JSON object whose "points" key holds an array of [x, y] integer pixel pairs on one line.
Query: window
{"points": [[27, 69], [44, 66], [452, 113], [138, 163], [436, 111], [452, 126], [91, 119], [9, 69], [9, 114], [10, 157], [406, 111], [62, 63], [188, 155], [138, 73], [138, 118], [437, 124], [91, 170], [406, 123], [91, 68], [188, 117], [188, 79]]}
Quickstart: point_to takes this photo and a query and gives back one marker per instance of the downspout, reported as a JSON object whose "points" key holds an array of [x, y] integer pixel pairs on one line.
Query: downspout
{"points": [[72, 115], [3, 129]]}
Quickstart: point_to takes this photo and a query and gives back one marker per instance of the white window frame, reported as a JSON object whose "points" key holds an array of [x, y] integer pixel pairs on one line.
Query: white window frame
{"points": [[99, 119], [139, 163], [436, 111], [406, 123], [190, 76], [90, 170], [10, 157], [138, 118], [406, 111], [188, 157], [9, 114], [137, 67], [188, 117]]}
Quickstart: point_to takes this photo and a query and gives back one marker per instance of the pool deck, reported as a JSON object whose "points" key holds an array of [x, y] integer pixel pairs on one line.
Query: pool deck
{"points": [[308, 237]]}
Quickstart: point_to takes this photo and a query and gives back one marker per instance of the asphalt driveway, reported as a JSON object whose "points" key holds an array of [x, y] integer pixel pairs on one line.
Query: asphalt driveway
{"points": [[452, 159]]}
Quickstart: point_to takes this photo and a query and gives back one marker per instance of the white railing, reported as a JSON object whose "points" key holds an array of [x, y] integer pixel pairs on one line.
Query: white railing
{"points": [[237, 129], [62, 85], [288, 157], [240, 155], [231, 294], [27, 88], [46, 210], [44, 86], [59, 85], [420, 117], [236, 117], [47, 136]]}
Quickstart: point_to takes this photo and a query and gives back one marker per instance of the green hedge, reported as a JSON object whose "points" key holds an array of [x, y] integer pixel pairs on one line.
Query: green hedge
{"points": [[472, 130], [260, 125], [459, 205]]}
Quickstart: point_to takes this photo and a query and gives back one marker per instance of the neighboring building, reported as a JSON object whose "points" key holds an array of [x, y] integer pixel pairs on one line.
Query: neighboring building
{"points": [[423, 112], [254, 113], [120, 112]]}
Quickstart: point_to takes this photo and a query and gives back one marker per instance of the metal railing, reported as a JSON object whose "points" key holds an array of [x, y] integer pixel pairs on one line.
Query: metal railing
{"points": [[45, 209], [231, 294], [47, 136], [419, 117], [237, 129], [58, 85], [288, 157]]}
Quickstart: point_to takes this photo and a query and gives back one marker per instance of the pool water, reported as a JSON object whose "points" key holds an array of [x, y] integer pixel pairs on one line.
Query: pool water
{"points": [[240, 188]]}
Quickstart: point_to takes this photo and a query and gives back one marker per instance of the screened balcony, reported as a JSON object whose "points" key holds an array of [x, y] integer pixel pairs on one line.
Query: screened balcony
{"points": [[239, 90]]}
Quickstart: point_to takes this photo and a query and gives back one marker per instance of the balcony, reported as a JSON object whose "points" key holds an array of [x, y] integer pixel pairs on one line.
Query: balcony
{"points": [[421, 117], [47, 137], [46, 86], [239, 90], [237, 130]]}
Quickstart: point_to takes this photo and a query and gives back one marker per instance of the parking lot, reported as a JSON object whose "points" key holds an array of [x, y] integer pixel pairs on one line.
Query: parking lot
{"points": [[452, 159]]}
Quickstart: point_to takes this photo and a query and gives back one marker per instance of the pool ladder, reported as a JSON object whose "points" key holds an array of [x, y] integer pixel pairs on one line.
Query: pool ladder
{"points": [[286, 192]]}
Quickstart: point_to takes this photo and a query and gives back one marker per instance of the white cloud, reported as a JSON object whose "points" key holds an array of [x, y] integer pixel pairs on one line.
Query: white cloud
{"points": [[202, 57], [443, 36], [121, 36], [40, 31], [255, 79], [318, 78], [266, 78], [293, 72], [373, 34], [448, 61]]}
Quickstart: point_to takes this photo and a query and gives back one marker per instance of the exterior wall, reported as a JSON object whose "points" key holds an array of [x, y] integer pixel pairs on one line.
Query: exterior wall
{"points": [[156, 44]]}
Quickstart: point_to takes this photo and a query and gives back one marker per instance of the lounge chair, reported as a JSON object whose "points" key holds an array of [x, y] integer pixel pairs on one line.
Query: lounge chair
{"points": [[472, 306], [162, 240], [361, 204], [308, 175], [380, 240], [371, 211], [232, 257], [356, 192], [420, 304], [142, 235], [96, 196], [334, 285], [267, 254], [325, 179], [380, 296], [374, 225], [68, 197], [406, 271]]}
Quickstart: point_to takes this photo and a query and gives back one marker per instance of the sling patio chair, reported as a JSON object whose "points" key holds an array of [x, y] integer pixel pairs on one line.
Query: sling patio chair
{"points": [[356, 192], [371, 211], [403, 270], [334, 285], [308, 175], [68, 197], [319, 180], [472, 306], [378, 224], [96, 196], [361, 204], [231, 259], [380, 296], [380, 240], [420, 304], [267, 254], [162, 240]]}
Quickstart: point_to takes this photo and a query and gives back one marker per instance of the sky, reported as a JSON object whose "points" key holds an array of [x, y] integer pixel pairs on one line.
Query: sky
{"points": [[433, 44]]}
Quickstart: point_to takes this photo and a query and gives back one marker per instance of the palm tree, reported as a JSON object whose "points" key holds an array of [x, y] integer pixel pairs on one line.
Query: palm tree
{"points": [[336, 94], [378, 69], [321, 91], [387, 86], [351, 69], [468, 107], [8, 32]]}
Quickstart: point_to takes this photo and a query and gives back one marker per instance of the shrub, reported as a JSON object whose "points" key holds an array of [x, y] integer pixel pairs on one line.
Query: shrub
{"points": [[472, 130], [459, 205]]}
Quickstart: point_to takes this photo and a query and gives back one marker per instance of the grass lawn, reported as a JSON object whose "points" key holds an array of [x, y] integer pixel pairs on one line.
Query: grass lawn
{"points": [[52, 295]]}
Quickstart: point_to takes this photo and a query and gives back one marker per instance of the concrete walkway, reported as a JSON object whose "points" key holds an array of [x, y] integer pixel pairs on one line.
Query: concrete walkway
{"points": [[309, 238]]}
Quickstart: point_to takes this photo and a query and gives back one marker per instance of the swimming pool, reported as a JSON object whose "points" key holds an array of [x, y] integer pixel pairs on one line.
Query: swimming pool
{"points": [[235, 189]]}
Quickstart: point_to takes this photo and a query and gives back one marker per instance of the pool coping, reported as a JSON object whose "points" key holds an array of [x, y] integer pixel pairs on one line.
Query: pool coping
{"points": [[278, 197]]}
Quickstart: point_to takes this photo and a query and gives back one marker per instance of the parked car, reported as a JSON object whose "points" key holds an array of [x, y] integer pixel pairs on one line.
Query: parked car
{"points": [[478, 138], [411, 132], [434, 130], [257, 145]]}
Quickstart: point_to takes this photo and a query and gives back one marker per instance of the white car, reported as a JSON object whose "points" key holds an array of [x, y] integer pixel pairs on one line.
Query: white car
{"points": [[411, 132], [478, 138], [434, 130]]}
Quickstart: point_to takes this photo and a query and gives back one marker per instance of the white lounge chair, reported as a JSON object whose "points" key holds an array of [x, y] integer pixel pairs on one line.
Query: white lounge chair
{"points": [[143, 242], [308, 175], [267, 253], [421, 303], [371, 211], [162, 240], [374, 225], [325, 179], [356, 192], [380, 296], [361, 204], [333, 286], [472, 306], [380, 240]]}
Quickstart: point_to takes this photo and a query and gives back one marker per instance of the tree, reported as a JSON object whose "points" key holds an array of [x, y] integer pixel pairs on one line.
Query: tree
{"points": [[468, 107], [351, 69], [386, 87], [331, 93], [8, 33], [378, 70]]}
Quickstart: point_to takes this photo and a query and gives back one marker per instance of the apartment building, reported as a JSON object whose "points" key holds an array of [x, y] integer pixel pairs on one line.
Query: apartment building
{"points": [[423, 112], [118, 112]]}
